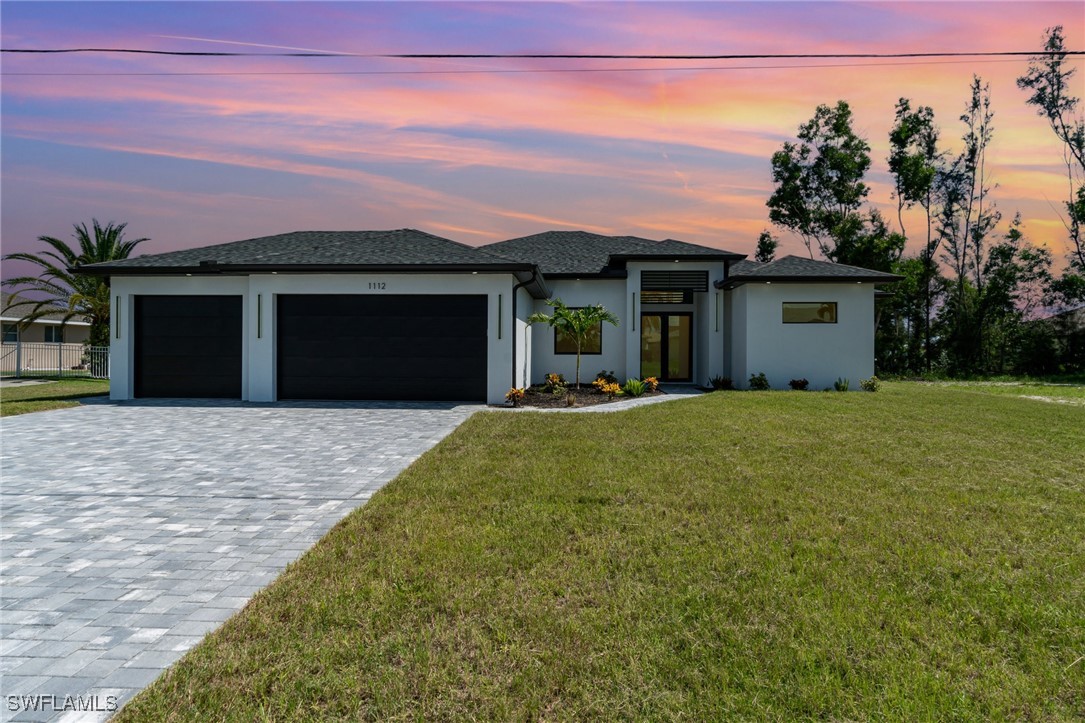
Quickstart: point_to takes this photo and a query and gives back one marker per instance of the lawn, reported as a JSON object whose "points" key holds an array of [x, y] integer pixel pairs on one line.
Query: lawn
{"points": [[52, 395], [1061, 393], [911, 554]]}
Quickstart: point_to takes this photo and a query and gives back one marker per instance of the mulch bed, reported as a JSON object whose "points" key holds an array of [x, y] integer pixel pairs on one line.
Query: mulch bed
{"points": [[537, 397]]}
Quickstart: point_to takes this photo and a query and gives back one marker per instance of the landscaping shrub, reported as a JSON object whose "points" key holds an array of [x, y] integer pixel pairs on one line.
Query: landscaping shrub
{"points": [[555, 383], [634, 387], [759, 382], [721, 384], [651, 383], [870, 385], [606, 376], [841, 384], [515, 396], [610, 389], [799, 385]]}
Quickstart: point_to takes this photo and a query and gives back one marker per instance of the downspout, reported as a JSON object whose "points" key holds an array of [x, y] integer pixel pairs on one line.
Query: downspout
{"points": [[517, 287]]}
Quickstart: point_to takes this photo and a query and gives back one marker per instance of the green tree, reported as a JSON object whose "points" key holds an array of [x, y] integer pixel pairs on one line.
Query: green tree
{"points": [[914, 162], [966, 216], [819, 180], [577, 324], [57, 290], [1049, 81], [766, 247]]}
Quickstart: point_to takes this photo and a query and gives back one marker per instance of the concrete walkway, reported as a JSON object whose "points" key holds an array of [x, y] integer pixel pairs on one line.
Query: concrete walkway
{"points": [[130, 530]]}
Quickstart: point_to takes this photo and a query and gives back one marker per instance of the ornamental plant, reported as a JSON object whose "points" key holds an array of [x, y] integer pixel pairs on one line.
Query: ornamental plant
{"points": [[634, 387], [611, 390], [555, 383], [606, 376], [799, 385], [515, 396], [651, 384], [721, 384], [759, 382], [870, 385]]}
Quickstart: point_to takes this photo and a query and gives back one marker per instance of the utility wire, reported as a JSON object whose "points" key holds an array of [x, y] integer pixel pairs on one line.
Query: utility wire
{"points": [[506, 72], [554, 56]]}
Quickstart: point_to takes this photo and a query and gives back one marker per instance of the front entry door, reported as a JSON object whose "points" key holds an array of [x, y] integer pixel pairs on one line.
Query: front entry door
{"points": [[666, 346]]}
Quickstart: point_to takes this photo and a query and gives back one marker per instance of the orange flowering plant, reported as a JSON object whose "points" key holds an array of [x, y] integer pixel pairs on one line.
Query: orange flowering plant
{"points": [[651, 383], [515, 396]]}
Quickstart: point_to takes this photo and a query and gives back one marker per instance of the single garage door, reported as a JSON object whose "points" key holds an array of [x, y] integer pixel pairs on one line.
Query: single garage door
{"points": [[351, 346], [188, 346]]}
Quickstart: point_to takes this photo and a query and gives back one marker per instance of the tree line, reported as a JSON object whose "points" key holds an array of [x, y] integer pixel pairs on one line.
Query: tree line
{"points": [[970, 297]]}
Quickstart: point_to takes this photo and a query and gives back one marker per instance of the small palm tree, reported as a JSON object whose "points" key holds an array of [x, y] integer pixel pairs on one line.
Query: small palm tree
{"points": [[57, 290], [577, 324]]}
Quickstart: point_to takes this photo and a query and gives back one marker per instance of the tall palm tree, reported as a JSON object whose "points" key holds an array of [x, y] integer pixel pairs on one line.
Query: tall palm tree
{"points": [[58, 291]]}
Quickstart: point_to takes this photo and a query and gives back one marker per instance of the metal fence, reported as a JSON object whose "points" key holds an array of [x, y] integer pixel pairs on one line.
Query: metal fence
{"points": [[48, 359]]}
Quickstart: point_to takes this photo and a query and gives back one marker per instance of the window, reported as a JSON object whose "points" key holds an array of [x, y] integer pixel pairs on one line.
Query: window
{"points": [[54, 334], [593, 344], [11, 333], [666, 297], [809, 312]]}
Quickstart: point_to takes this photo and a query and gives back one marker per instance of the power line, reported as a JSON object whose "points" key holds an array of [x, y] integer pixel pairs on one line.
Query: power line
{"points": [[541, 56], [503, 72]]}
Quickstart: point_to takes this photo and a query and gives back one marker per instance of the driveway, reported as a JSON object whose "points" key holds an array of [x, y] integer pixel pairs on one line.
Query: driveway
{"points": [[130, 530]]}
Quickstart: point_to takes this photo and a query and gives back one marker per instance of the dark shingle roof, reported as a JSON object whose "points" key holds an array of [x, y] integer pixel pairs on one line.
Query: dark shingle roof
{"points": [[402, 247], [22, 310], [580, 252], [797, 268]]}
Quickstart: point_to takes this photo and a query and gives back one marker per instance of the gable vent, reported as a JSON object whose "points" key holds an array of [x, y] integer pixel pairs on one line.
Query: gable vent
{"points": [[674, 281]]}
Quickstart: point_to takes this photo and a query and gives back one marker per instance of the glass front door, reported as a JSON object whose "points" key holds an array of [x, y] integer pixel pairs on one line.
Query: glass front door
{"points": [[666, 347]]}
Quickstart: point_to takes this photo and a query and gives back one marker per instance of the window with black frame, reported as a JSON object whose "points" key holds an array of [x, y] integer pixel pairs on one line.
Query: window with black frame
{"points": [[809, 312]]}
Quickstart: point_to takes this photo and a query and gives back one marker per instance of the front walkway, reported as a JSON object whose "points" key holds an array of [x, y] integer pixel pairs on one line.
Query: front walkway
{"points": [[130, 530]]}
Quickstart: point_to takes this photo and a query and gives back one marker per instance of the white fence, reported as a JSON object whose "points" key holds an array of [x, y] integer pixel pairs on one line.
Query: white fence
{"points": [[47, 359]]}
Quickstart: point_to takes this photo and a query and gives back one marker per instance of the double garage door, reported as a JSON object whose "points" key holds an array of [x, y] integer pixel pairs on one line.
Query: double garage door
{"points": [[328, 346]]}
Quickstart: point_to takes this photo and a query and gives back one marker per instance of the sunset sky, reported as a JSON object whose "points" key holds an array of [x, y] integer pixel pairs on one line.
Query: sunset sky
{"points": [[196, 151]]}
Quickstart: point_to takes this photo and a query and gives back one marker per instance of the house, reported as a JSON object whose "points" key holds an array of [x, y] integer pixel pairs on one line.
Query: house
{"points": [[49, 328], [46, 345], [405, 314]]}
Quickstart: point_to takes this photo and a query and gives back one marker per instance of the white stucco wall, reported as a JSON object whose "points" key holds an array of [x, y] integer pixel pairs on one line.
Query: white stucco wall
{"points": [[525, 306], [258, 294], [819, 353]]}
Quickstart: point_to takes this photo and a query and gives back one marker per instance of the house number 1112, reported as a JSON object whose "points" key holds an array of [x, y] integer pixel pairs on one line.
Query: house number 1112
{"points": [[378, 285]]}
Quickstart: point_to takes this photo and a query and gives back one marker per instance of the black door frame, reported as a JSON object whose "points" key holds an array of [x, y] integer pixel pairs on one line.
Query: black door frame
{"points": [[665, 342]]}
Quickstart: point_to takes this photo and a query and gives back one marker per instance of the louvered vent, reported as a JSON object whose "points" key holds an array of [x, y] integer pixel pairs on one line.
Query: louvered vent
{"points": [[674, 281]]}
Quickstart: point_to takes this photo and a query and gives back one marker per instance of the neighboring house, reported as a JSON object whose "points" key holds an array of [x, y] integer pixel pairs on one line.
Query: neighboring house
{"points": [[408, 315], [49, 328], [45, 344]]}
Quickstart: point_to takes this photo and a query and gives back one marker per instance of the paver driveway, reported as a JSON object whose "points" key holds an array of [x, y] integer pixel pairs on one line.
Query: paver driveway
{"points": [[130, 530]]}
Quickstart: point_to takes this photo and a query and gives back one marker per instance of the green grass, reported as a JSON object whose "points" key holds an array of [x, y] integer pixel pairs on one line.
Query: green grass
{"points": [[1063, 392], [913, 554], [53, 395]]}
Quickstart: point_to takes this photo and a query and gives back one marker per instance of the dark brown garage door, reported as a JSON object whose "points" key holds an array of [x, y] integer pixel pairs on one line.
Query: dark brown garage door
{"points": [[188, 346], [350, 346]]}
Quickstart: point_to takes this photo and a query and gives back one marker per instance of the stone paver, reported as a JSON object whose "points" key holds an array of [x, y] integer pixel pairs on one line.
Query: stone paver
{"points": [[130, 530]]}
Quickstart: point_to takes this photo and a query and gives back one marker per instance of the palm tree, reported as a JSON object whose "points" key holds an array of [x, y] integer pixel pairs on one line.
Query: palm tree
{"points": [[56, 290], [577, 324]]}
